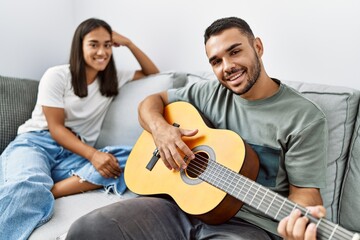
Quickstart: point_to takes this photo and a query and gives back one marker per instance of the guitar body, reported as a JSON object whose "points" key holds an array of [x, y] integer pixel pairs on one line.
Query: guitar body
{"points": [[193, 195]]}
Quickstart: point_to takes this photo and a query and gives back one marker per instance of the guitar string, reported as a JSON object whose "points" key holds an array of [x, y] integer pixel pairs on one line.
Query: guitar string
{"points": [[326, 225], [205, 161], [201, 171], [223, 179]]}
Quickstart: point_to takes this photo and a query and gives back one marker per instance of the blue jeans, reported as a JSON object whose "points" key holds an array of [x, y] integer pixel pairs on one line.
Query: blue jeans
{"points": [[31, 164]]}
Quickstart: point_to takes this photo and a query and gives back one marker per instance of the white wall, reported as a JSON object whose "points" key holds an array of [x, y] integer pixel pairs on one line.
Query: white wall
{"points": [[35, 34], [305, 40]]}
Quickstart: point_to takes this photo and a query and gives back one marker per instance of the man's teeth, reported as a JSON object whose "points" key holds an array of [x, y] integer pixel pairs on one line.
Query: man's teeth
{"points": [[234, 77]]}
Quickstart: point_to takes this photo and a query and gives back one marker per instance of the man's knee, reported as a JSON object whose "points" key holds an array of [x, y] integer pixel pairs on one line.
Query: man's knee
{"points": [[91, 226], [137, 217]]}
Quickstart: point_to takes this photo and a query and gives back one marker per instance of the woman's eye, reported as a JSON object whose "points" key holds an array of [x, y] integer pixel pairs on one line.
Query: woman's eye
{"points": [[108, 45]]}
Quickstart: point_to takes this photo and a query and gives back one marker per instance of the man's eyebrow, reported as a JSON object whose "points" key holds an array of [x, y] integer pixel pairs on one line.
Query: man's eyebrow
{"points": [[227, 50], [212, 58], [233, 46]]}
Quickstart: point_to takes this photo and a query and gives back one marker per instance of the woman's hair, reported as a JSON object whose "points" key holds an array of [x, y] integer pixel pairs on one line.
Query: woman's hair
{"points": [[107, 77], [226, 23]]}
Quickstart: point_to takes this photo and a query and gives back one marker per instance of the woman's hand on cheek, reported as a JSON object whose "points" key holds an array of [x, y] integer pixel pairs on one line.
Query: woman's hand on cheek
{"points": [[119, 40]]}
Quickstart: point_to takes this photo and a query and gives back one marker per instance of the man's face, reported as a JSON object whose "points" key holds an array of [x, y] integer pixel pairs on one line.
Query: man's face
{"points": [[234, 60]]}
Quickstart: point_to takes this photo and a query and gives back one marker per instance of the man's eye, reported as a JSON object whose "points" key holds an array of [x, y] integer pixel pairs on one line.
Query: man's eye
{"points": [[215, 62], [234, 52]]}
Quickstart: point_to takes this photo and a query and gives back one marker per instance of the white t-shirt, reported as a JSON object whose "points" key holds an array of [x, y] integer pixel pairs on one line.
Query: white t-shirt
{"points": [[83, 116]]}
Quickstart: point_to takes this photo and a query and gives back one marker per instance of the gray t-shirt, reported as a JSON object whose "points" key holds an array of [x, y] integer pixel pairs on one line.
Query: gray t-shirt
{"points": [[287, 131]]}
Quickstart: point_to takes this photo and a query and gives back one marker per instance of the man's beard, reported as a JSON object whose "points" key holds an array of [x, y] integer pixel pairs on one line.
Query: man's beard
{"points": [[252, 78]]}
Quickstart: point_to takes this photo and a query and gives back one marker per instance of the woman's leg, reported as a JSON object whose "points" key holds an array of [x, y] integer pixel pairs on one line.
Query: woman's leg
{"points": [[75, 174], [72, 185], [25, 198]]}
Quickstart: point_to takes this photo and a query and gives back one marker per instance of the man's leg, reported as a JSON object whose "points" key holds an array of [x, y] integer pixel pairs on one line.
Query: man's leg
{"points": [[233, 229], [139, 218], [155, 218]]}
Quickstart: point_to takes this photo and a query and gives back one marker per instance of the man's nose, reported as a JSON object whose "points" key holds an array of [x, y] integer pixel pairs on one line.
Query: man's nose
{"points": [[228, 65]]}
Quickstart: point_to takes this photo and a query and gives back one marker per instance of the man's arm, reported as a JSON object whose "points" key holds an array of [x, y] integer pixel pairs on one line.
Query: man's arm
{"points": [[167, 138], [105, 163], [305, 196]]}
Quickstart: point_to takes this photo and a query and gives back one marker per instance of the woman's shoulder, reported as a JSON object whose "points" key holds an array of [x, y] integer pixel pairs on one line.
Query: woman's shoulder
{"points": [[58, 72], [57, 76], [60, 69]]}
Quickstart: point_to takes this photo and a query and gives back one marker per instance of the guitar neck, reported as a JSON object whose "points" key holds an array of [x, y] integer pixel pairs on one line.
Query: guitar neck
{"points": [[266, 201]]}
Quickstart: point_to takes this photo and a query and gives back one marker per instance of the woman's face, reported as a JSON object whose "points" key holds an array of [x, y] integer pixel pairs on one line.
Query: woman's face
{"points": [[97, 49]]}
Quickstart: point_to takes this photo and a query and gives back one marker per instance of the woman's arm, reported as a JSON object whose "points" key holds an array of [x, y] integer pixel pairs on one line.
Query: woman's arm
{"points": [[105, 163], [147, 66]]}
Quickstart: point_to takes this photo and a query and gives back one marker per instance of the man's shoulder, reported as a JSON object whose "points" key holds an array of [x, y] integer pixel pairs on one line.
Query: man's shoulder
{"points": [[301, 101]]}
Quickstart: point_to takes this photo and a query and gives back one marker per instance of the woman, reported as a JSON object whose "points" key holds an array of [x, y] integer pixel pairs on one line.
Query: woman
{"points": [[53, 154]]}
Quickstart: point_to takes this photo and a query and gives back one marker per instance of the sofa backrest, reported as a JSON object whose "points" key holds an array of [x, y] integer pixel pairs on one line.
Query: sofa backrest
{"points": [[17, 100], [349, 208], [121, 125]]}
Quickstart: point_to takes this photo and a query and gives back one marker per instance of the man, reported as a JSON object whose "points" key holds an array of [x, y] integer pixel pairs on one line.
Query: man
{"points": [[288, 132]]}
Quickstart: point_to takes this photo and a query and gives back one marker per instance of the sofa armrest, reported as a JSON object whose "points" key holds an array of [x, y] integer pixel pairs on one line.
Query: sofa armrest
{"points": [[17, 100]]}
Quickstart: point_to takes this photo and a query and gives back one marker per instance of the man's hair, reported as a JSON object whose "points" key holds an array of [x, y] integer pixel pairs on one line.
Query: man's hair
{"points": [[108, 77], [226, 23]]}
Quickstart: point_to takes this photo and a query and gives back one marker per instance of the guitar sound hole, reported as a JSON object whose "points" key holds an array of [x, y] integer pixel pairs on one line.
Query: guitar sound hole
{"points": [[198, 165]]}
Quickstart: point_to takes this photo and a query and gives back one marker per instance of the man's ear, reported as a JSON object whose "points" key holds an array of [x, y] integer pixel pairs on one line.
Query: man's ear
{"points": [[258, 46]]}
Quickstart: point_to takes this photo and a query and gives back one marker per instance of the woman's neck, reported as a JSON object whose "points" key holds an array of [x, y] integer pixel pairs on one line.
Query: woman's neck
{"points": [[91, 76]]}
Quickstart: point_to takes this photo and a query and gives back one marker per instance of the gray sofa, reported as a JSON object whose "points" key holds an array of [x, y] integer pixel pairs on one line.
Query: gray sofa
{"points": [[340, 104]]}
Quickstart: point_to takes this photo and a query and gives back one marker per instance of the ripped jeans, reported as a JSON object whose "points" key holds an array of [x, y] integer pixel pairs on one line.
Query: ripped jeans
{"points": [[31, 164]]}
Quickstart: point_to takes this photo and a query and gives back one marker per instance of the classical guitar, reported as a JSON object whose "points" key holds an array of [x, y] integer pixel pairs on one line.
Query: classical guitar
{"points": [[218, 181]]}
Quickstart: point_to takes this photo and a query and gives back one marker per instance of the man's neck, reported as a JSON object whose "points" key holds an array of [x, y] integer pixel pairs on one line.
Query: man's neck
{"points": [[263, 88]]}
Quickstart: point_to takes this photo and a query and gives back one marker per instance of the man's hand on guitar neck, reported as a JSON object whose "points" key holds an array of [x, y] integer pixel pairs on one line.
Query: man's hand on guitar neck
{"points": [[296, 226]]}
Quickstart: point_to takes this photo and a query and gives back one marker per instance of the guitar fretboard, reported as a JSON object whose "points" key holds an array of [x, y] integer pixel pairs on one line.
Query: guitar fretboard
{"points": [[263, 199]]}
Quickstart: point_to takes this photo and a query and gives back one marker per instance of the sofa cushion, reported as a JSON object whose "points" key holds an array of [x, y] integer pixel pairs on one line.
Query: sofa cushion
{"points": [[121, 126], [340, 105], [68, 209], [349, 207], [17, 100]]}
